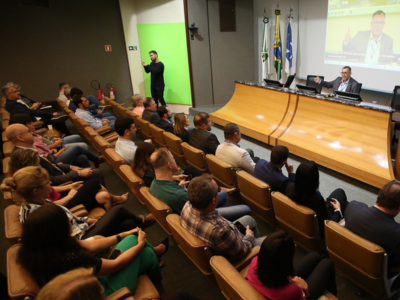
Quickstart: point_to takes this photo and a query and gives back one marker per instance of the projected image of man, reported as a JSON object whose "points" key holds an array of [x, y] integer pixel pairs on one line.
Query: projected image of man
{"points": [[376, 45], [343, 84]]}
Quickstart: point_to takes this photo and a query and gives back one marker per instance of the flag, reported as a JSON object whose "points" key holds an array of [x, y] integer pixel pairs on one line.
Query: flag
{"points": [[264, 49], [277, 46], [289, 50]]}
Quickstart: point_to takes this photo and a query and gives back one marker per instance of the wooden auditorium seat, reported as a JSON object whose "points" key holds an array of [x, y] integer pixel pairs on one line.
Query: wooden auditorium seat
{"points": [[222, 172], [158, 136], [174, 145], [299, 221], [257, 195], [114, 160], [133, 182], [135, 119], [157, 208], [195, 157], [359, 260], [144, 128]]}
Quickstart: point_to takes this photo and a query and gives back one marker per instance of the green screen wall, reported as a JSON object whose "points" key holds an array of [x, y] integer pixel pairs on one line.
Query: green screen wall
{"points": [[169, 40]]}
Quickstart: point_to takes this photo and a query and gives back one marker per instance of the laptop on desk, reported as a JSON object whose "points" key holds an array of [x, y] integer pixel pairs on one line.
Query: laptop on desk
{"points": [[307, 89], [349, 96]]}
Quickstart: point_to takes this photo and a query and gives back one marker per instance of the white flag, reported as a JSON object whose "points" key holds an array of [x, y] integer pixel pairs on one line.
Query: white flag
{"points": [[264, 49]]}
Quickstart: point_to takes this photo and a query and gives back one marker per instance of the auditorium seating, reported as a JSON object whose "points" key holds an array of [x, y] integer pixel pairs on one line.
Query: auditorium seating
{"points": [[158, 136], [257, 195], [114, 160], [157, 208], [222, 172], [174, 145], [194, 157], [144, 128], [133, 182], [234, 285], [359, 260], [299, 221]]}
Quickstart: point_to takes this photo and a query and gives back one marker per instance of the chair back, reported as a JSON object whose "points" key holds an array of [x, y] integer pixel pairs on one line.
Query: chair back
{"points": [[359, 260], [115, 160], [174, 145], [133, 181], [359, 86], [101, 144], [395, 104], [222, 172], [7, 148], [158, 135], [192, 246], [195, 157], [81, 124], [135, 119], [299, 221], [144, 128], [311, 82], [257, 195], [159, 209], [12, 224]]}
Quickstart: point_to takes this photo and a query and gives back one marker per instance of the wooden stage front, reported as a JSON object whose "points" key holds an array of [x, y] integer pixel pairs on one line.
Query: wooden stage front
{"points": [[338, 134]]}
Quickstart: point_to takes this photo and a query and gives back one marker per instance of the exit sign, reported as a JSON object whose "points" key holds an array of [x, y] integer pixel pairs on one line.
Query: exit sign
{"points": [[108, 48]]}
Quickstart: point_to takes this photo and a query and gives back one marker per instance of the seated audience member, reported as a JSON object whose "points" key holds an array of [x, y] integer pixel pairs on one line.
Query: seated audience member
{"points": [[48, 250], [24, 99], [125, 146], [91, 194], [20, 136], [231, 152], [137, 103], [201, 218], [70, 93], [170, 188], [149, 114], [73, 154], [31, 186], [94, 102], [304, 191], [12, 95], [141, 164], [181, 124], [165, 121], [271, 172], [201, 137], [82, 112], [274, 274], [377, 223], [62, 86]]}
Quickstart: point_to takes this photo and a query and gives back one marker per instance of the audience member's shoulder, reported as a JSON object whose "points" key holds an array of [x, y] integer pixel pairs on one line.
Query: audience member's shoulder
{"points": [[261, 163]]}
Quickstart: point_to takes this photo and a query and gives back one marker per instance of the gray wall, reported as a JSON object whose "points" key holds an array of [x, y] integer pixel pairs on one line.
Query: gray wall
{"points": [[220, 58], [44, 46]]}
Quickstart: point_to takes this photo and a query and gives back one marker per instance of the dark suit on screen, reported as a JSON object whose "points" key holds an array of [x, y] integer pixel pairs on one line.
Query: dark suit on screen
{"points": [[352, 86], [359, 45], [203, 140]]}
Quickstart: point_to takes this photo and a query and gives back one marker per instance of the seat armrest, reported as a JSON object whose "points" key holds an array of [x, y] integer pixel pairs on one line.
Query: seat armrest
{"points": [[246, 261], [103, 129]]}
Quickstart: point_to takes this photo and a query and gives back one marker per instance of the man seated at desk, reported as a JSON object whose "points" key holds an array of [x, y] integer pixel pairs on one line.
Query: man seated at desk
{"points": [[341, 84]]}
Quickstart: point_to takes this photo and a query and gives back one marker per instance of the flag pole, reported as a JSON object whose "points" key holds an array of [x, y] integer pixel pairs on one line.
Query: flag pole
{"points": [[289, 49], [278, 45], [264, 49]]}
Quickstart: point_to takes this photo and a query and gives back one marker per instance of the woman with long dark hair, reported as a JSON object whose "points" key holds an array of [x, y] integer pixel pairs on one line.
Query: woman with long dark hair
{"points": [[304, 191], [180, 128], [48, 250], [274, 275]]}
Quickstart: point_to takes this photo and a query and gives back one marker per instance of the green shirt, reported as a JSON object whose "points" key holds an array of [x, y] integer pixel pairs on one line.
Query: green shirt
{"points": [[170, 193]]}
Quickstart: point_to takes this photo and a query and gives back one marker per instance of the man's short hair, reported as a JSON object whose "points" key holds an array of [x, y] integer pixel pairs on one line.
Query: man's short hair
{"points": [[75, 91], [5, 89], [389, 195], [230, 129], [162, 110], [123, 124], [20, 118], [201, 191], [279, 154], [347, 67], [379, 12], [201, 119], [147, 102], [61, 84], [153, 51], [77, 99], [160, 158], [67, 92]]}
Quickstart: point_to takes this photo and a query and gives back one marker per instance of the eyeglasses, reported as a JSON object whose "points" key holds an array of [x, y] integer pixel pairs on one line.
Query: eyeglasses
{"points": [[378, 22]]}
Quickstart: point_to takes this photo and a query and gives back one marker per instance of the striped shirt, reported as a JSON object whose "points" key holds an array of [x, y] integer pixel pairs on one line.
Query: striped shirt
{"points": [[79, 226], [218, 233]]}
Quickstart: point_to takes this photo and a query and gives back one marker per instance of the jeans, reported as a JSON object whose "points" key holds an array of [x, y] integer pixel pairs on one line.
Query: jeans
{"points": [[77, 156], [247, 220], [93, 101], [74, 140], [112, 121]]}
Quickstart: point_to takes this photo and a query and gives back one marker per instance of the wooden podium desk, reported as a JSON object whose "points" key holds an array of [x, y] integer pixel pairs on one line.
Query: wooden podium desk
{"points": [[347, 137]]}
